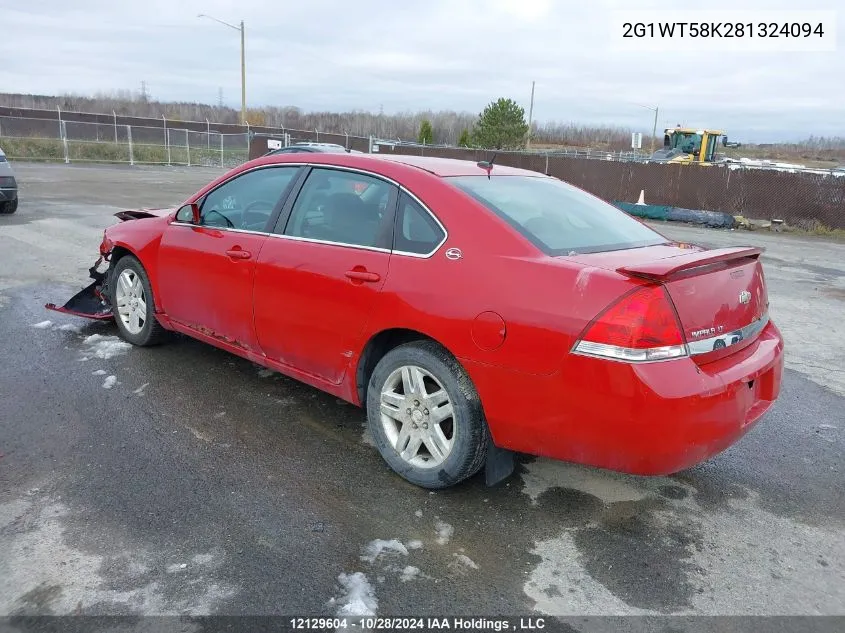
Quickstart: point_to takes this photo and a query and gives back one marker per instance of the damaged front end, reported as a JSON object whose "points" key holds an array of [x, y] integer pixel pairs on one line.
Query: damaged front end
{"points": [[91, 302]]}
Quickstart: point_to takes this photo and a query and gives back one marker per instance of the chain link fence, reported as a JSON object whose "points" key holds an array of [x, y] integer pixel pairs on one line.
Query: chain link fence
{"points": [[80, 142], [811, 199]]}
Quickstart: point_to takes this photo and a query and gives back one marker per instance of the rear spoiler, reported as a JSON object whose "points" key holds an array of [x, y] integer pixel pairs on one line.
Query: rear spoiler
{"points": [[663, 269]]}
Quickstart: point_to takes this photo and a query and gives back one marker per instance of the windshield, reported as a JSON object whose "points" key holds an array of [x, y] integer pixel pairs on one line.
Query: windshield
{"points": [[558, 218], [687, 142]]}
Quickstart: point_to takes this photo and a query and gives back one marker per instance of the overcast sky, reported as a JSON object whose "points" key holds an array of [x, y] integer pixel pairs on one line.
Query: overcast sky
{"points": [[422, 54]]}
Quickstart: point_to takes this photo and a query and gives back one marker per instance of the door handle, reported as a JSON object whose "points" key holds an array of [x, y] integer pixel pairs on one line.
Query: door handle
{"points": [[362, 275], [237, 253]]}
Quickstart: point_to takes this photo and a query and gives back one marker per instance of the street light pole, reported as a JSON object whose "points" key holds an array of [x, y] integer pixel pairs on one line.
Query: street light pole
{"points": [[243, 59], [243, 77], [655, 109], [654, 129]]}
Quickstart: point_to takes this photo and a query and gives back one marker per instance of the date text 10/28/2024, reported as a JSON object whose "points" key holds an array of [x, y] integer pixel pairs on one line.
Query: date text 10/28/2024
{"points": [[428, 623]]}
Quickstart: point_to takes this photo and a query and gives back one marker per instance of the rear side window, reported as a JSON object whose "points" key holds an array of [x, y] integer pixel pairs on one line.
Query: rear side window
{"points": [[558, 218], [416, 231], [343, 207]]}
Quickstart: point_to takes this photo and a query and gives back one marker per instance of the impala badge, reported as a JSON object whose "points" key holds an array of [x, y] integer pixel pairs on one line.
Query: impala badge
{"points": [[454, 253], [744, 297]]}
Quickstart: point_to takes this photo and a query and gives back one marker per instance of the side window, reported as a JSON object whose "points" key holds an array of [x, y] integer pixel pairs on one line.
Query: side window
{"points": [[246, 202], [344, 207], [416, 231]]}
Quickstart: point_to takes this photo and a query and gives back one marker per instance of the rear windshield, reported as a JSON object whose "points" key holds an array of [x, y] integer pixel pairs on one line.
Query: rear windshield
{"points": [[558, 218]]}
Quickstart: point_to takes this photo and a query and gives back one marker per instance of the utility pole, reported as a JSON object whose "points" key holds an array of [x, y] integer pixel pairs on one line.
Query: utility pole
{"points": [[243, 59], [530, 117]]}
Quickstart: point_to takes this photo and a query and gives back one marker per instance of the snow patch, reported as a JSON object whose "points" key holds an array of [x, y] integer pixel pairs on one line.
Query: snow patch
{"points": [[415, 544], [359, 597], [418, 514], [380, 547], [266, 373], [444, 532], [409, 573], [69, 327], [99, 372], [106, 347], [109, 382], [43, 325], [140, 390], [464, 560], [203, 559]]}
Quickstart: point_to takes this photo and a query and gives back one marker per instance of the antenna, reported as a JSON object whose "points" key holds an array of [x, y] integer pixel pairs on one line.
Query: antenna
{"points": [[220, 97], [143, 90], [487, 165]]}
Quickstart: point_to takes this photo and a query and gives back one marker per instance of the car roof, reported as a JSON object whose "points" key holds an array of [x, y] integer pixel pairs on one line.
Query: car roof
{"points": [[291, 149], [443, 167], [455, 167]]}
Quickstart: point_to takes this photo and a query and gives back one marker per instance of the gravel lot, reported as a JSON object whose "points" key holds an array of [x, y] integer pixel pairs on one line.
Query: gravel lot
{"points": [[182, 479]]}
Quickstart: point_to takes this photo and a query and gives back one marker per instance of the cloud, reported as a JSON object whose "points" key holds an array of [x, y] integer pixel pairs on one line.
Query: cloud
{"points": [[439, 54]]}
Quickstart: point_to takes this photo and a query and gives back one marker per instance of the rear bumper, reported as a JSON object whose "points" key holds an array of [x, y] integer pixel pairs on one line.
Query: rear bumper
{"points": [[7, 194], [646, 419]]}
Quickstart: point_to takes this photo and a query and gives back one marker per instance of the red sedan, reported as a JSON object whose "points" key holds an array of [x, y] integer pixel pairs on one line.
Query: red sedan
{"points": [[473, 310]]}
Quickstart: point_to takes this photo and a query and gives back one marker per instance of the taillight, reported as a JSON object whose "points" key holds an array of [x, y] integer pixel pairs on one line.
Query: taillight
{"points": [[641, 326]]}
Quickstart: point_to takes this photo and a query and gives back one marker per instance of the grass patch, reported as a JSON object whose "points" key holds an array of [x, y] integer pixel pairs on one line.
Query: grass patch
{"points": [[33, 148], [814, 227], [42, 149]]}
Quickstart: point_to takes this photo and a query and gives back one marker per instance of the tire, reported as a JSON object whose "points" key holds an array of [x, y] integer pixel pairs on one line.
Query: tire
{"points": [[464, 432], [10, 206], [137, 296]]}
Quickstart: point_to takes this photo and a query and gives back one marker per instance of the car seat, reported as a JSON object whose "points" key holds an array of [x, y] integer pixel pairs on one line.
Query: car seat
{"points": [[349, 219]]}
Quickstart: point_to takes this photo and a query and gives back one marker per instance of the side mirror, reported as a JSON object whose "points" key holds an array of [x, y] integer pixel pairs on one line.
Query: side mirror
{"points": [[195, 213]]}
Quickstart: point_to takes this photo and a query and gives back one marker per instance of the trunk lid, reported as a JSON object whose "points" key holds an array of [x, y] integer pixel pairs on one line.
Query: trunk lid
{"points": [[720, 295]]}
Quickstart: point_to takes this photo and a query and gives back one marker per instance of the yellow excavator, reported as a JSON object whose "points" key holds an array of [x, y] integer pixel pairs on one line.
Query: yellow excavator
{"points": [[690, 146]]}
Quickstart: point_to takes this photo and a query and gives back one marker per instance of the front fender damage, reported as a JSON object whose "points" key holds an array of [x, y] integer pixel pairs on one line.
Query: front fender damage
{"points": [[91, 302]]}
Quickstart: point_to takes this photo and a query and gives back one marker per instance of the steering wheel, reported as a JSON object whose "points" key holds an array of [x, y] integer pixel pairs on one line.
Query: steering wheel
{"points": [[228, 221], [257, 203]]}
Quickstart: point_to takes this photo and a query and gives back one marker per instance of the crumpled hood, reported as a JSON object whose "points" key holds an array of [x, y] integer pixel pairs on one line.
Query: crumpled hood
{"points": [[138, 214]]}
